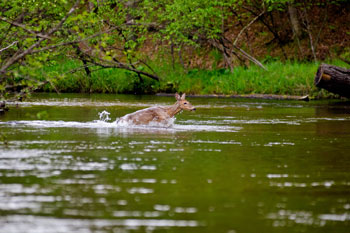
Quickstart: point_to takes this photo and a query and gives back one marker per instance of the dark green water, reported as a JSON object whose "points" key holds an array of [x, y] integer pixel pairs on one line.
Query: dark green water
{"points": [[234, 166]]}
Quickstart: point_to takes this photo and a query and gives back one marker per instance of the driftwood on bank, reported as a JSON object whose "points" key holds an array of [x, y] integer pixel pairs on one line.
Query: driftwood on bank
{"points": [[334, 79]]}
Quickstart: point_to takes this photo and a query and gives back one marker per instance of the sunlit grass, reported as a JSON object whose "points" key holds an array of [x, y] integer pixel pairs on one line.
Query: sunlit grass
{"points": [[288, 78]]}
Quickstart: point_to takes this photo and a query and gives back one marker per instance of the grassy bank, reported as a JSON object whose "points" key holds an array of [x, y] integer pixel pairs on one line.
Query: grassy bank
{"points": [[288, 78]]}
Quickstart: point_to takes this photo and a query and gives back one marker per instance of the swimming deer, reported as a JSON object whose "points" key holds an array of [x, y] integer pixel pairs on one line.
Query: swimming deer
{"points": [[158, 114]]}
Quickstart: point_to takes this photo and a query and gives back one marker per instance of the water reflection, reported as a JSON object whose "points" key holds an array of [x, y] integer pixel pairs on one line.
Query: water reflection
{"points": [[234, 166], [107, 128], [37, 224]]}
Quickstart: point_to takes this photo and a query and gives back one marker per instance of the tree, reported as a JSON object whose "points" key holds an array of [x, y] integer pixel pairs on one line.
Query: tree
{"points": [[202, 23], [112, 34], [34, 33], [27, 31]]}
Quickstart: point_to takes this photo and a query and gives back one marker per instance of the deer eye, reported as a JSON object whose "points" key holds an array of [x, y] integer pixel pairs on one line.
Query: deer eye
{"points": [[185, 103]]}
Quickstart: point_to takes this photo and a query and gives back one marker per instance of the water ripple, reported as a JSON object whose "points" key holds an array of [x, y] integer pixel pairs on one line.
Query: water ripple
{"points": [[39, 224], [100, 125]]}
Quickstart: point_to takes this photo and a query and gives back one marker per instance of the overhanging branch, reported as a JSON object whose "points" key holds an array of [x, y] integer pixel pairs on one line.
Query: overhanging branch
{"points": [[18, 56], [126, 67], [38, 34], [9, 46]]}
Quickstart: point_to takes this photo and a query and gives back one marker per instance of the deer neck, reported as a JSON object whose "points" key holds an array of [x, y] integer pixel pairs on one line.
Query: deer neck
{"points": [[173, 110]]}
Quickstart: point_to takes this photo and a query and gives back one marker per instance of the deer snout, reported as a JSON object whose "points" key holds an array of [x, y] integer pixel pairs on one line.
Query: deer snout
{"points": [[193, 109]]}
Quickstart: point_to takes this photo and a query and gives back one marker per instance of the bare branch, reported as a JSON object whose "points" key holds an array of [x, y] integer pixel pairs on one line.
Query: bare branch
{"points": [[78, 69], [38, 34], [59, 25], [16, 57], [251, 58], [309, 32], [126, 67], [114, 63], [223, 49], [12, 44], [247, 26], [321, 28], [74, 41]]}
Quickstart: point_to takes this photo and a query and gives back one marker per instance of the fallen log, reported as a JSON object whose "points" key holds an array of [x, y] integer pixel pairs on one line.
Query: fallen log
{"points": [[334, 79]]}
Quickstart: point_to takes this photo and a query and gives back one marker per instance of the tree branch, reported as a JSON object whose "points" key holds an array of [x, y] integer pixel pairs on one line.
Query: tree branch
{"points": [[309, 32], [7, 47], [247, 26], [16, 57], [222, 48], [38, 34], [126, 67], [73, 42], [251, 58]]}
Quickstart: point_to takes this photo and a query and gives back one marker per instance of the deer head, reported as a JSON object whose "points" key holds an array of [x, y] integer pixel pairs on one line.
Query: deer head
{"points": [[184, 104]]}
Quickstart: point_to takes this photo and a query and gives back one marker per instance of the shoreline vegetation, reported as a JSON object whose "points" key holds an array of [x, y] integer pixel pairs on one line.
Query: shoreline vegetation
{"points": [[223, 47], [247, 96], [281, 80]]}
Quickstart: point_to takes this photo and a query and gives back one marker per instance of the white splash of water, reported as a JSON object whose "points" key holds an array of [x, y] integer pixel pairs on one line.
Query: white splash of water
{"points": [[125, 122], [104, 125], [104, 116]]}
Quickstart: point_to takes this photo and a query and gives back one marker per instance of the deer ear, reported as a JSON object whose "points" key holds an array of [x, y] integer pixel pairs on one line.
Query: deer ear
{"points": [[177, 96], [183, 96]]}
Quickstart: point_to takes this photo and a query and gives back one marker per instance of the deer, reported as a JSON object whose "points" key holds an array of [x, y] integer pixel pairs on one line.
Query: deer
{"points": [[158, 114]]}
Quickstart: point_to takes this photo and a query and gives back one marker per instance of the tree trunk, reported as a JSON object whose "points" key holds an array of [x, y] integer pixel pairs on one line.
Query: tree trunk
{"points": [[334, 79], [293, 16]]}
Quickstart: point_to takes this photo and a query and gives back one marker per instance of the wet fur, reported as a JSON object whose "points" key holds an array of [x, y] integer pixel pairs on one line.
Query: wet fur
{"points": [[158, 114]]}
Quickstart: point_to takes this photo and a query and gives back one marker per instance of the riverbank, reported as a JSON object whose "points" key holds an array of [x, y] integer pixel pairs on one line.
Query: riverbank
{"points": [[251, 96], [289, 78]]}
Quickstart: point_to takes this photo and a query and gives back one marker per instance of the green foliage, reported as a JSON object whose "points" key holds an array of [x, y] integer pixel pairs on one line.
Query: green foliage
{"points": [[42, 115], [98, 46], [23, 25], [188, 22], [36, 33], [290, 78], [101, 80]]}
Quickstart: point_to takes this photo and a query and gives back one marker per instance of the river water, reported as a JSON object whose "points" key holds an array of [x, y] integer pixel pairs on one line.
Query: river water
{"points": [[234, 166]]}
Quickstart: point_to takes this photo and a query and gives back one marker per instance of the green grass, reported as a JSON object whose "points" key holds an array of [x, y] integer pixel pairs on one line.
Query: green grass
{"points": [[288, 78], [101, 80]]}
